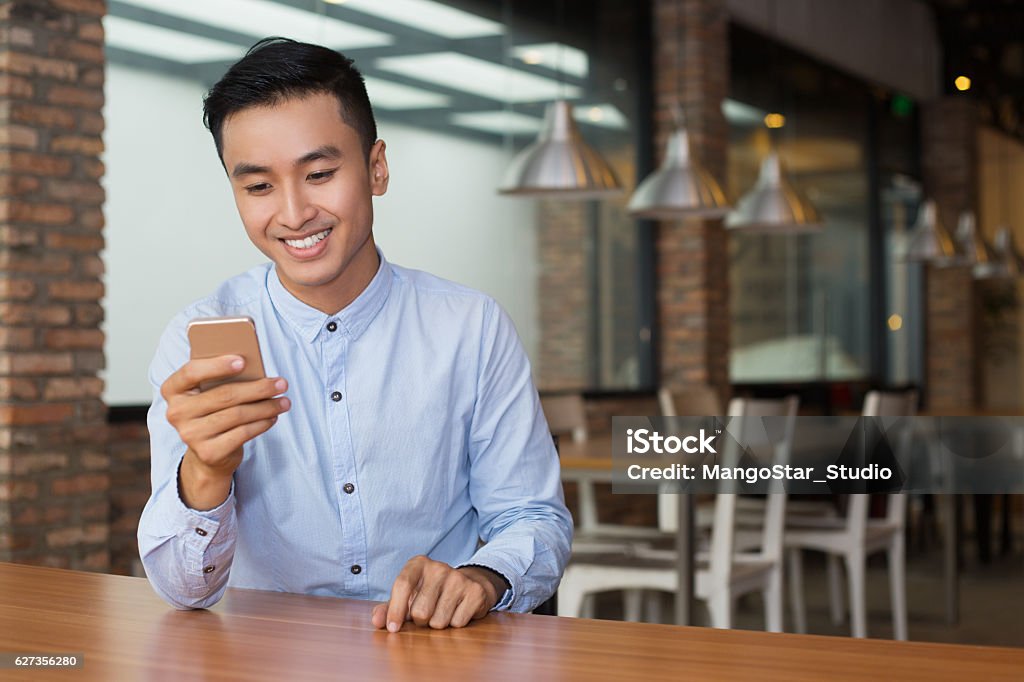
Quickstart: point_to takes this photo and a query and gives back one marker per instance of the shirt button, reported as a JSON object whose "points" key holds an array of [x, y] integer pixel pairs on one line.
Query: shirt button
{"points": [[209, 569], [348, 488], [332, 326], [200, 532], [356, 569], [336, 396]]}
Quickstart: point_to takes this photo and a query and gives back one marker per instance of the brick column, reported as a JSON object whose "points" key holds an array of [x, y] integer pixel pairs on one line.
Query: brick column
{"points": [[54, 481], [691, 66], [949, 167], [563, 252]]}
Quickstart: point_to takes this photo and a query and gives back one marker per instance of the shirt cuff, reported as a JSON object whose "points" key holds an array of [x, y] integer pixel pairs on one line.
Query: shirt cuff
{"points": [[207, 535], [506, 599]]}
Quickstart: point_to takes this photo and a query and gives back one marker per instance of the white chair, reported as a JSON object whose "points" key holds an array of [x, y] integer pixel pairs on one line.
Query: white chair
{"points": [[721, 575], [854, 537]]}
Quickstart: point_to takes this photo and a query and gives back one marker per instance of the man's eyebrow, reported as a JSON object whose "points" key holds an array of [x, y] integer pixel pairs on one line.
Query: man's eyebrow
{"points": [[246, 168], [327, 151]]}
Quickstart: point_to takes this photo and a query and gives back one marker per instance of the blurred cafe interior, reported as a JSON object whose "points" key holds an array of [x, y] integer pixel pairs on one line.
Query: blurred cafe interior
{"points": [[843, 236]]}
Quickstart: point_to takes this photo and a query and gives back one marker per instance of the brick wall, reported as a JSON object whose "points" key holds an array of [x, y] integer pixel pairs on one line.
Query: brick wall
{"points": [[691, 66], [563, 248], [129, 490], [949, 167], [54, 468]]}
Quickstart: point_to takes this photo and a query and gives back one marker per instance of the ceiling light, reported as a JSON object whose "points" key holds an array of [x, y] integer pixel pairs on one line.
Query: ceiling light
{"points": [[560, 163], [929, 241], [602, 115], [774, 120], [773, 205], [393, 96], [962, 83], [157, 41], [498, 122], [1009, 261], [532, 57], [680, 188], [260, 18], [558, 56], [431, 17], [478, 76], [740, 114]]}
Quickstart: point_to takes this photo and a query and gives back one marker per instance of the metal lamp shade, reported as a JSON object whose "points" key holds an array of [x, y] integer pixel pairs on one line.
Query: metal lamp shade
{"points": [[773, 205], [1008, 257], [975, 251], [680, 188], [560, 163], [929, 241]]}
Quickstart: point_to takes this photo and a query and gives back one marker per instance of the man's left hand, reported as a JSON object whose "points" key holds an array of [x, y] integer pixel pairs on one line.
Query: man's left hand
{"points": [[433, 593]]}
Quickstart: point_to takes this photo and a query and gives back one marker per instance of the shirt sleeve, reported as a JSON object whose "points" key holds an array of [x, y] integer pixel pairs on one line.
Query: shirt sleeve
{"points": [[186, 553], [515, 481]]}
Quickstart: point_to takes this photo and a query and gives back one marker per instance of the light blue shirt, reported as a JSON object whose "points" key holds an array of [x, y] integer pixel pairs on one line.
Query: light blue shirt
{"points": [[415, 428]]}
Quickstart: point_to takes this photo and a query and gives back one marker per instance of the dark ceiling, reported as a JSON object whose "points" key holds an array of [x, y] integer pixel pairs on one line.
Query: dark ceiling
{"points": [[984, 40]]}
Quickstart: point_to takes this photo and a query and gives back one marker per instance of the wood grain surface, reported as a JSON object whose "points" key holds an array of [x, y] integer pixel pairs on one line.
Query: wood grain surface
{"points": [[125, 633]]}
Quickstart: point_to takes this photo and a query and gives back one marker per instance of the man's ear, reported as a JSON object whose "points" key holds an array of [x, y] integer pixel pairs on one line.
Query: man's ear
{"points": [[378, 169]]}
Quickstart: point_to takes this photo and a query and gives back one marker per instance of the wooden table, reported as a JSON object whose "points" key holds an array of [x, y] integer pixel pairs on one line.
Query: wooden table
{"points": [[124, 632]]}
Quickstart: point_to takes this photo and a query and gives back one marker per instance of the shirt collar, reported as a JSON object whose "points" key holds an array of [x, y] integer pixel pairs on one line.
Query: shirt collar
{"points": [[352, 320]]}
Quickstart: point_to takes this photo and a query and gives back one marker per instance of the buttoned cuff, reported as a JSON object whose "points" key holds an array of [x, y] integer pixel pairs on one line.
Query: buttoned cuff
{"points": [[207, 537]]}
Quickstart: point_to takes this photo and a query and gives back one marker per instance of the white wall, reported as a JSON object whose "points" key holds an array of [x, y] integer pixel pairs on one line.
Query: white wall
{"points": [[173, 233]]}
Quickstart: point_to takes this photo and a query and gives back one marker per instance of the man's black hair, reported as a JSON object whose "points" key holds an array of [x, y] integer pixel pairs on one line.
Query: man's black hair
{"points": [[276, 69]]}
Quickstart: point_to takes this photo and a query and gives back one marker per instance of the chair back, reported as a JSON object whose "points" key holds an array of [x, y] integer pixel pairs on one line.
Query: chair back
{"points": [[773, 529], [566, 415], [723, 529], [694, 401], [885, 404]]}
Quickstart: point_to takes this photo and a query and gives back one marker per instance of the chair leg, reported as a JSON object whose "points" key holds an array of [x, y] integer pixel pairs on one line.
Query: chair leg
{"points": [[773, 601], [858, 602], [796, 590], [632, 605], [836, 603], [720, 609], [652, 606], [571, 596], [588, 608], [898, 585]]}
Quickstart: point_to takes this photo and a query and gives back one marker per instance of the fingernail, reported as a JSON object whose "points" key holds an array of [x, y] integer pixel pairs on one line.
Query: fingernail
{"points": [[284, 403], [392, 627], [280, 384], [237, 363]]}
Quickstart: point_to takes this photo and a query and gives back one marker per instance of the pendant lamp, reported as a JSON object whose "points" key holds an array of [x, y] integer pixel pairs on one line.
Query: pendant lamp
{"points": [[1009, 261], [560, 163], [929, 240], [680, 188], [974, 251], [773, 205]]}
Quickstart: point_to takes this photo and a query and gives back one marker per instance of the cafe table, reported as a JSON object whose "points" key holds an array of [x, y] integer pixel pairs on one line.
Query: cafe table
{"points": [[118, 629]]}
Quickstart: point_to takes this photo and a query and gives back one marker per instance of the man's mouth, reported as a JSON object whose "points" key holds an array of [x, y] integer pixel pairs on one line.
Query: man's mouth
{"points": [[310, 241]]}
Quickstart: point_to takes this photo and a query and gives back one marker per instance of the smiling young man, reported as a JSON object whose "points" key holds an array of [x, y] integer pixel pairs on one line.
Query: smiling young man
{"points": [[411, 430]]}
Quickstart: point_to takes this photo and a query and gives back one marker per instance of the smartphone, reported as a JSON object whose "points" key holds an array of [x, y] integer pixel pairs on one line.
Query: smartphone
{"points": [[213, 336]]}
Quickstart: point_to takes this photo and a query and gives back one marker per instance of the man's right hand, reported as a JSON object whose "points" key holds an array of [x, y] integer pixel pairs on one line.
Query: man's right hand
{"points": [[214, 424]]}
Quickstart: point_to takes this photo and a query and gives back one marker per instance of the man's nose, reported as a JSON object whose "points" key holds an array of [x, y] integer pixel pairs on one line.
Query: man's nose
{"points": [[295, 210]]}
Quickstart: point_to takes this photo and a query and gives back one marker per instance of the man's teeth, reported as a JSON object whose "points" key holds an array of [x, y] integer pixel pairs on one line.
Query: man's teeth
{"points": [[308, 241]]}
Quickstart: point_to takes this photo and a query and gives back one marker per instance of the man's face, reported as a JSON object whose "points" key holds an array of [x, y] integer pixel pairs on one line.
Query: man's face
{"points": [[303, 189]]}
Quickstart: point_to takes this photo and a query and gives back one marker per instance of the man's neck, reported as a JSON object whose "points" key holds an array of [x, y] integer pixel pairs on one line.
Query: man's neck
{"points": [[333, 297]]}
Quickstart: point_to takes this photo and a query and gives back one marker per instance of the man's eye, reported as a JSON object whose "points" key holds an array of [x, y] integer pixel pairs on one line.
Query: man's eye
{"points": [[258, 188], [322, 175]]}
